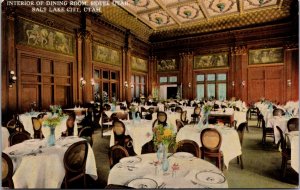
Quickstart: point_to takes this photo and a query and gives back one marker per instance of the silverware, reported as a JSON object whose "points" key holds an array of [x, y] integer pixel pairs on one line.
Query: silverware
{"points": [[195, 183]]}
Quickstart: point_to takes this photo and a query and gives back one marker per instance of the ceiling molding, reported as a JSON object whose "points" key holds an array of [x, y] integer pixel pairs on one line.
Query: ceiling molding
{"points": [[203, 9]]}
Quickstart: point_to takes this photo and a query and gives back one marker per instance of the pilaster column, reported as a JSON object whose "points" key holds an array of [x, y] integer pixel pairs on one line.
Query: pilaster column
{"points": [[87, 90]]}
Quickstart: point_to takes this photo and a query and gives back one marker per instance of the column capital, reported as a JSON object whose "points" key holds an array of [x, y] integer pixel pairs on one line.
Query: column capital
{"points": [[238, 50]]}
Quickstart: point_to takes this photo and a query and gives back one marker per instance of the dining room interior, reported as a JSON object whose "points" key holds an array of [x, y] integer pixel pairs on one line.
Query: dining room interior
{"points": [[125, 94]]}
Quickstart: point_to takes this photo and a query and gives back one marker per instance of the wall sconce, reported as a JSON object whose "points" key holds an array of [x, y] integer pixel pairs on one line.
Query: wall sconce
{"points": [[243, 83], [82, 82], [289, 83], [190, 85], [232, 83], [12, 78], [125, 84], [92, 82]]}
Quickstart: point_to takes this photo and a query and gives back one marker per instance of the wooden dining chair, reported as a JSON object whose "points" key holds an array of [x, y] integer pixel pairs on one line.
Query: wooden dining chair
{"points": [[211, 141], [87, 134], [196, 114], [183, 117], [293, 124], [7, 171], [18, 137], [162, 118], [149, 147], [179, 124], [285, 153], [188, 146], [37, 128], [278, 112], [15, 125], [116, 153], [240, 130], [106, 107], [266, 132], [120, 137], [75, 163], [178, 109], [70, 123]]}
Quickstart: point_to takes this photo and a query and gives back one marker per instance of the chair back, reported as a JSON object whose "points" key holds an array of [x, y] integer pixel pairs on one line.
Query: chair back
{"points": [[106, 107], [178, 109], [179, 124], [216, 106], [18, 137], [70, 126], [116, 153], [75, 157], [278, 112], [161, 117], [87, 133], [118, 128], [183, 116], [240, 130], [7, 171], [283, 145], [155, 122], [188, 146], [149, 147], [122, 115], [37, 127], [293, 124], [197, 110], [211, 139]]}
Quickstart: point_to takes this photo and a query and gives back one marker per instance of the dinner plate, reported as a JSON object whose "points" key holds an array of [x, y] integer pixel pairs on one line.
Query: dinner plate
{"points": [[183, 155], [130, 160], [210, 177], [142, 183]]}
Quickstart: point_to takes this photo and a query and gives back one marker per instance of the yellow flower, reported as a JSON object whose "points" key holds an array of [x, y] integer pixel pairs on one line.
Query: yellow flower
{"points": [[167, 132]]}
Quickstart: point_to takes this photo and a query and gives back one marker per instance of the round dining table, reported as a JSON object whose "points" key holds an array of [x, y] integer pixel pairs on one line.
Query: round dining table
{"points": [[185, 171], [37, 165]]}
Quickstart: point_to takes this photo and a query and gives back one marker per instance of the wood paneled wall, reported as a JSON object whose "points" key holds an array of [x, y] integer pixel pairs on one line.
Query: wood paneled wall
{"points": [[261, 80], [49, 77]]}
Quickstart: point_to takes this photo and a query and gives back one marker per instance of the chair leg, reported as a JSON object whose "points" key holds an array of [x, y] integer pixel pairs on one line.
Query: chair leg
{"points": [[84, 181], [283, 166], [238, 160], [241, 159]]}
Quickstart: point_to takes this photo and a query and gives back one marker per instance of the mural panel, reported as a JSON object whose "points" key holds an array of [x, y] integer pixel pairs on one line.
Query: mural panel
{"points": [[138, 64], [211, 61], [43, 37], [167, 65], [265, 56], [106, 55]]}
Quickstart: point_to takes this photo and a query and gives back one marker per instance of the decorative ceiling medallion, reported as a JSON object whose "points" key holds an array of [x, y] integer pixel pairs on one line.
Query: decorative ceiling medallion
{"points": [[139, 3], [159, 18], [187, 12], [221, 6], [258, 3]]}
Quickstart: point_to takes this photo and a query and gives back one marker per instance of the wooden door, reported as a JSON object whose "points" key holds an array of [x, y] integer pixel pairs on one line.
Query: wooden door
{"points": [[267, 82]]}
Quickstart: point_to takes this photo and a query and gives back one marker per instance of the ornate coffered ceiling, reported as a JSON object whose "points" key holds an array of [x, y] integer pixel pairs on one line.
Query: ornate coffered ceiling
{"points": [[176, 17]]}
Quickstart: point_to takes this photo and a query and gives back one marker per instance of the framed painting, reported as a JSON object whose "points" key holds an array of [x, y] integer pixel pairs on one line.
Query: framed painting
{"points": [[106, 55], [211, 61], [138, 64], [167, 65], [43, 37], [266, 56]]}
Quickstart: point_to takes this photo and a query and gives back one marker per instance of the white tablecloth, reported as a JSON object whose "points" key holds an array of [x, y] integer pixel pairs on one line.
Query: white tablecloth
{"points": [[122, 174], [46, 169], [240, 117], [5, 137], [27, 122], [281, 122], [231, 146], [294, 139], [140, 132]]}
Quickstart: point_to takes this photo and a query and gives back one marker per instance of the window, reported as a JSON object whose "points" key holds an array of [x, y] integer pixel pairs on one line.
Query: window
{"points": [[168, 79], [139, 85], [106, 80], [212, 85]]}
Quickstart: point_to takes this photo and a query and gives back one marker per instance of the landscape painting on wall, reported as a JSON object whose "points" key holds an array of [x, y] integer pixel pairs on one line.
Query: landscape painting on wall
{"points": [[106, 55], [167, 65], [211, 61], [138, 64], [36, 35], [266, 56]]}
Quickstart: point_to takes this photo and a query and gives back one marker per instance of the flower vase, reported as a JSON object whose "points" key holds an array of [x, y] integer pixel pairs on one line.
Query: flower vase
{"points": [[51, 139], [206, 119], [165, 161], [133, 117]]}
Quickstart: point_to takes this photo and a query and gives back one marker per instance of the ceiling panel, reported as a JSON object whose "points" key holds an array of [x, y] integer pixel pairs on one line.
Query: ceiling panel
{"points": [[220, 7], [141, 5], [158, 18], [188, 12], [256, 4]]}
